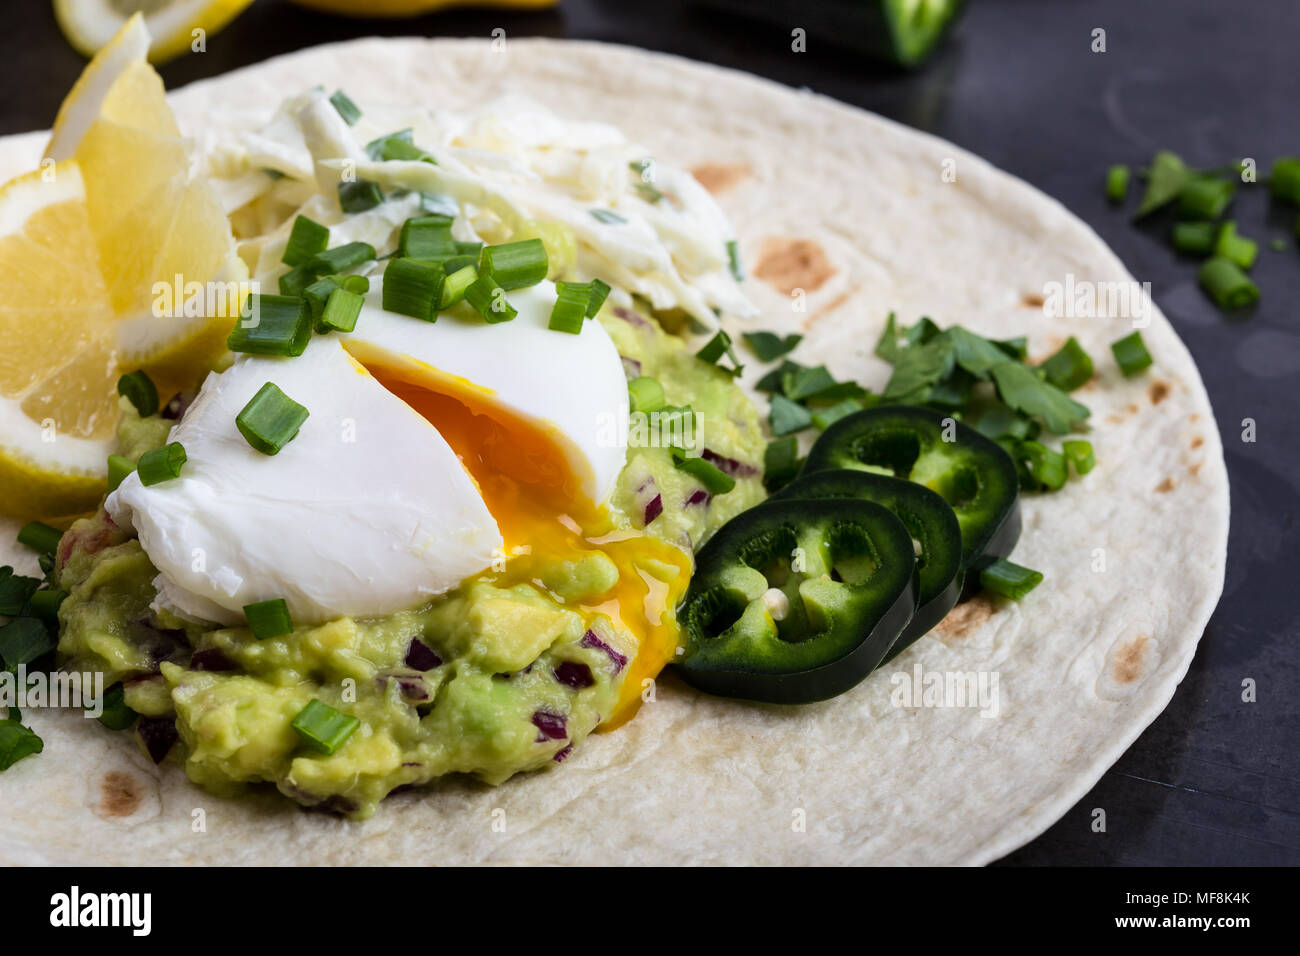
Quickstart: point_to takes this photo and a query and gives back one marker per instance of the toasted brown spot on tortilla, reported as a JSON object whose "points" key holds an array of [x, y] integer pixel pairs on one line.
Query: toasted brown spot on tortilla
{"points": [[835, 303], [1132, 409], [1158, 392], [1195, 416], [1166, 485], [789, 264], [120, 794], [719, 177], [966, 617], [1115, 419], [1032, 300], [1196, 468], [1127, 665], [1198, 441]]}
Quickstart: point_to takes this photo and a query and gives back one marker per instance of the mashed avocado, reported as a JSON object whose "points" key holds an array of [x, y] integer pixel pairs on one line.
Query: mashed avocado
{"points": [[499, 676]]}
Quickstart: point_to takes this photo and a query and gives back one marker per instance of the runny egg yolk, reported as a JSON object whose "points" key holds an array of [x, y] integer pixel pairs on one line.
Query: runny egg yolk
{"points": [[545, 518]]}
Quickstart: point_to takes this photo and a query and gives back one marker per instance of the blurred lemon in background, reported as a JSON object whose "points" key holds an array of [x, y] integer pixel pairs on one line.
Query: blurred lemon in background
{"points": [[90, 24]]}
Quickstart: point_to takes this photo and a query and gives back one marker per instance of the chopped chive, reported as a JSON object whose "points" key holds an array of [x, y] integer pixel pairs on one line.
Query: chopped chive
{"points": [[283, 327], [317, 294], [489, 299], [733, 260], [40, 537], [780, 463], [268, 618], [359, 195], [1009, 580], [397, 146], [358, 284], [1195, 238], [1048, 468], [1070, 367], [270, 420], [341, 311], [824, 418], [598, 292], [322, 727], [118, 468], [1277, 244], [44, 604], [1080, 454], [607, 216], [515, 265], [341, 258], [1204, 197], [717, 347], [648, 193], [1284, 181], [1226, 284], [296, 280], [453, 289], [787, 417], [1166, 178], [1131, 354], [645, 394], [347, 109], [714, 479], [769, 346], [113, 712], [427, 237], [161, 464], [1117, 179], [138, 388], [414, 288], [1236, 249], [307, 238], [570, 309]]}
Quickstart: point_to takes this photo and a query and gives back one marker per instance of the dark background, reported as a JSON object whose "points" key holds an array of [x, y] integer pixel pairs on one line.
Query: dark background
{"points": [[1214, 780]]}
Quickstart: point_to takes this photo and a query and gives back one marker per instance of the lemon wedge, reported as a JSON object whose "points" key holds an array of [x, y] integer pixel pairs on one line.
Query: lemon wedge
{"points": [[90, 24], [85, 242]]}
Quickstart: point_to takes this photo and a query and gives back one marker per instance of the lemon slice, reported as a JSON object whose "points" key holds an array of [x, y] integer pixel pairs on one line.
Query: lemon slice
{"points": [[85, 243], [90, 24]]}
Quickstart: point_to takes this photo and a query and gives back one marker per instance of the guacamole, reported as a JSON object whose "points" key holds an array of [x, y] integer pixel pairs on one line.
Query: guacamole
{"points": [[506, 673]]}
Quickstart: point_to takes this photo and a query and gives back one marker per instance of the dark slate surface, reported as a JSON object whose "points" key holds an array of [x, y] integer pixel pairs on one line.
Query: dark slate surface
{"points": [[1214, 780]]}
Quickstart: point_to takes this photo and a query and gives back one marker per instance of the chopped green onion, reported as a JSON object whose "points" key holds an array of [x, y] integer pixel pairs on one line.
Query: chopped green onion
{"points": [[341, 311], [45, 604], [1117, 178], [397, 146], [1009, 580], [597, 292], [824, 418], [489, 299], [268, 618], [1226, 284], [442, 205], [1277, 244], [787, 417], [714, 479], [118, 468], [161, 464], [515, 265], [1236, 249], [358, 284], [1284, 181], [317, 294], [307, 238], [570, 309], [270, 420], [1166, 178], [1070, 367], [1204, 197], [1047, 467], [113, 712], [283, 327], [341, 258], [427, 237], [359, 195], [648, 193], [717, 347], [607, 216], [322, 727], [413, 287], [1131, 354], [645, 394], [769, 346], [40, 537], [347, 109], [454, 288], [1195, 238], [138, 388], [733, 260], [780, 463], [1080, 454], [295, 281]]}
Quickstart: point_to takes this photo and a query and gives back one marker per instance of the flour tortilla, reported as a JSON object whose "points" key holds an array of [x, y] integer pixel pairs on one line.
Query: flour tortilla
{"points": [[1083, 664]]}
